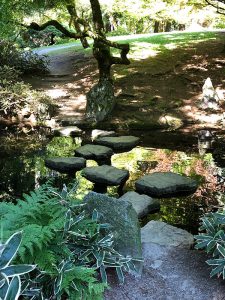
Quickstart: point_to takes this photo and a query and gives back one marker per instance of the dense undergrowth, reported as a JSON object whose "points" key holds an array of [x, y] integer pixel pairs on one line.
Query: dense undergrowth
{"points": [[70, 249], [19, 103]]}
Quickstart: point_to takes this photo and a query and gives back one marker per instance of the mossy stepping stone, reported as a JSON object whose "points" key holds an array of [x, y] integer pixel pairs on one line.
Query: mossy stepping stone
{"points": [[120, 143], [165, 184], [66, 164], [99, 153], [106, 175]]}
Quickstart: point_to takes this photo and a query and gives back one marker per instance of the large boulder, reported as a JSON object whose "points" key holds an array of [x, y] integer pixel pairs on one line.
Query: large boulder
{"points": [[142, 204], [166, 235], [99, 153], [66, 164], [120, 143], [165, 184], [106, 175], [124, 222]]}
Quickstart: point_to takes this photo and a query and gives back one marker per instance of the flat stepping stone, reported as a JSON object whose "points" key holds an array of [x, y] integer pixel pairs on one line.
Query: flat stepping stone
{"points": [[68, 131], [66, 164], [142, 204], [165, 184], [99, 153], [120, 143], [106, 175], [166, 235]]}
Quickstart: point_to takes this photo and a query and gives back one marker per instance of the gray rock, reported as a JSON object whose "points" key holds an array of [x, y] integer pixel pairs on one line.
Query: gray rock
{"points": [[142, 204], [210, 98], [106, 175], [96, 133], [66, 164], [165, 184], [120, 143], [166, 235], [124, 222], [68, 131], [95, 152]]}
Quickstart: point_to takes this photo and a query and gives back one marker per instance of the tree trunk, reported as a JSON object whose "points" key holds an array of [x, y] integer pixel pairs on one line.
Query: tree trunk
{"points": [[156, 26], [168, 26], [101, 99]]}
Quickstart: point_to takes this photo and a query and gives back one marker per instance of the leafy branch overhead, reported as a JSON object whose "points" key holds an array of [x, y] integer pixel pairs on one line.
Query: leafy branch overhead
{"points": [[84, 29]]}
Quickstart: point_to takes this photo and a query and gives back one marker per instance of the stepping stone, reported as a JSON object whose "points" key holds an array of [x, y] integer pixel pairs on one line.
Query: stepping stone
{"points": [[68, 165], [104, 176], [68, 131], [96, 133], [99, 153], [166, 235], [165, 184], [142, 204], [120, 143]]}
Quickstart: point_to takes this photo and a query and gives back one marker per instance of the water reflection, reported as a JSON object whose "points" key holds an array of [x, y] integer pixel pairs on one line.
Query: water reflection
{"points": [[22, 169]]}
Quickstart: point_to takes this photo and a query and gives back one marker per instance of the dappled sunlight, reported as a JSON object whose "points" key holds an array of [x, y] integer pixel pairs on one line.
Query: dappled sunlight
{"points": [[56, 93]]}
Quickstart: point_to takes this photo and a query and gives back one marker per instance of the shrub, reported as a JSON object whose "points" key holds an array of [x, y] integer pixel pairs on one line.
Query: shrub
{"points": [[67, 246], [212, 240], [18, 100], [23, 61]]}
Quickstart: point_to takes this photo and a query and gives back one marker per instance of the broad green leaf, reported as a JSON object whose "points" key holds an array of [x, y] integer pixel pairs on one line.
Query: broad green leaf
{"points": [[221, 250], [103, 274], [217, 270], [14, 289], [120, 274], [210, 246], [10, 249], [14, 270], [214, 262], [68, 221]]}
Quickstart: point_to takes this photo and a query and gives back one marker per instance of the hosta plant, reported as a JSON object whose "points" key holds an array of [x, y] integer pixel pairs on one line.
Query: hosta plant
{"points": [[212, 240], [10, 281]]}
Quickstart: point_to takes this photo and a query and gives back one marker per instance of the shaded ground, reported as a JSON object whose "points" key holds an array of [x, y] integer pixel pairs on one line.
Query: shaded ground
{"points": [[169, 274], [152, 92]]}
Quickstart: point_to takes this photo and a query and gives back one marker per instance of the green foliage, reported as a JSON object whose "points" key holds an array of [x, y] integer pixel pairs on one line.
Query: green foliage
{"points": [[10, 282], [64, 243], [17, 99], [213, 241], [24, 61]]}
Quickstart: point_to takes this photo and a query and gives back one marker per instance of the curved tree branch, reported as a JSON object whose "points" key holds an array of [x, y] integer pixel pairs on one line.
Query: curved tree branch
{"points": [[58, 26]]}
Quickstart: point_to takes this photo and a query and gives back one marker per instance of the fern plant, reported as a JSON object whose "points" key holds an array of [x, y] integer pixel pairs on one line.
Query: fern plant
{"points": [[212, 240]]}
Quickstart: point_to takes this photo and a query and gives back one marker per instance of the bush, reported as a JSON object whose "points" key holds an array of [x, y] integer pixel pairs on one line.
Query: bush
{"points": [[212, 240], [67, 246], [23, 61], [19, 101], [32, 38]]}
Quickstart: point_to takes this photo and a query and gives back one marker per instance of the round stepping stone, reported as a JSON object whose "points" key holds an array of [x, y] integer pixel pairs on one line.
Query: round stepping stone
{"points": [[142, 204], [165, 184], [99, 153], [105, 175], [66, 165], [120, 143]]}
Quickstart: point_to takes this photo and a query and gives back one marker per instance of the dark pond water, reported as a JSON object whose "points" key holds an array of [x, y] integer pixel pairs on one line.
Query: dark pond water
{"points": [[22, 169]]}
